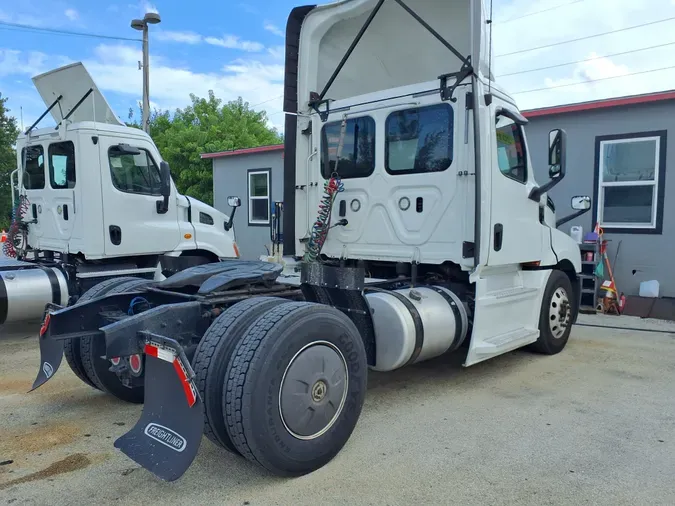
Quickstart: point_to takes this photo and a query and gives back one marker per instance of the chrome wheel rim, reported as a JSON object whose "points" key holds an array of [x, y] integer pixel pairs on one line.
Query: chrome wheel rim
{"points": [[559, 313], [313, 390]]}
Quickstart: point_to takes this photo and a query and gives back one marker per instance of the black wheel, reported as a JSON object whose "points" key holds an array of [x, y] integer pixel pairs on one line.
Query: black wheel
{"points": [[295, 388], [71, 347], [98, 369], [213, 356], [555, 320]]}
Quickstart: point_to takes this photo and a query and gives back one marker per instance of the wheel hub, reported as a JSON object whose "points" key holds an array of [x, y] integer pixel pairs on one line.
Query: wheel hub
{"points": [[313, 390], [559, 313]]}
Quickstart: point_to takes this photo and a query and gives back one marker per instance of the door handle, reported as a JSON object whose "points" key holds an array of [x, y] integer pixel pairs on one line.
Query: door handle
{"points": [[498, 236], [115, 234]]}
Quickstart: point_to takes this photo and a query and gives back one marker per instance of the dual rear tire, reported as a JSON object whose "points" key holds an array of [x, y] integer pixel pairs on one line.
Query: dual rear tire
{"points": [[283, 383], [83, 355]]}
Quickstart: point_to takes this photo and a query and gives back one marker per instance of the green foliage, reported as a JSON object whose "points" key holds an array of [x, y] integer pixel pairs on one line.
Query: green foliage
{"points": [[8, 135], [205, 126]]}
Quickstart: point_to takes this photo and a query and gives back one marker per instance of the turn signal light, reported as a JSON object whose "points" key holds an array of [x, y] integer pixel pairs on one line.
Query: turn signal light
{"points": [[188, 236]]}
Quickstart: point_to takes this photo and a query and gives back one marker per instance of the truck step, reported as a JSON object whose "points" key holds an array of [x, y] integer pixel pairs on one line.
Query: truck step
{"points": [[508, 341], [124, 272]]}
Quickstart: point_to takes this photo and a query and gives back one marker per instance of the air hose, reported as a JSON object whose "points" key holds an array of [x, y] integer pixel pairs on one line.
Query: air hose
{"points": [[18, 213], [331, 188]]}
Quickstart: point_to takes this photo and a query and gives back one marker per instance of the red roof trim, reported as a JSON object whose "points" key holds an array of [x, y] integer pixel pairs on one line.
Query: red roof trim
{"points": [[247, 151], [601, 104]]}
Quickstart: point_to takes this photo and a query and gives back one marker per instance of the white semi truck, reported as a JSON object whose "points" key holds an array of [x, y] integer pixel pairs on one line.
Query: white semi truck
{"points": [[94, 201], [417, 228]]}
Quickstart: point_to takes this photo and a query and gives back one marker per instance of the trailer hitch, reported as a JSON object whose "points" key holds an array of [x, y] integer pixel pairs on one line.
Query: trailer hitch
{"points": [[166, 438]]}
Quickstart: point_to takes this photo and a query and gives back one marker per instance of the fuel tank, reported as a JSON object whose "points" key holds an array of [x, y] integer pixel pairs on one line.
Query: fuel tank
{"points": [[25, 290], [415, 324]]}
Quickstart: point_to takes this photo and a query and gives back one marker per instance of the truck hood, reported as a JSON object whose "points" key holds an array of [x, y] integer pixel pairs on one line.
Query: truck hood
{"points": [[72, 83], [395, 50]]}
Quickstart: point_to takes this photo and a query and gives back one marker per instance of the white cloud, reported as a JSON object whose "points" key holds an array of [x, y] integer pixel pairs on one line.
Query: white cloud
{"points": [[183, 37], [279, 52], [148, 7], [567, 21], [234, 42], [72, 14], [272, 28]]}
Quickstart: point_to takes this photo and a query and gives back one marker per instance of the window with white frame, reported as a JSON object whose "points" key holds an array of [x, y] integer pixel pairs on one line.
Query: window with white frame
{"points": [[259, 197], [630, 180]]}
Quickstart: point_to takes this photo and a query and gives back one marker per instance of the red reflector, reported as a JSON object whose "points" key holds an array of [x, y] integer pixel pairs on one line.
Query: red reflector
{"points": [[45, 324], [151, 350], [115, 360], [135, 363], [190, 393]]}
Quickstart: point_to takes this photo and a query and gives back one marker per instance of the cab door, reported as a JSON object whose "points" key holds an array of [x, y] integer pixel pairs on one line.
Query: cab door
{"points": [[130, 180], [508, 297], [516, 233]]}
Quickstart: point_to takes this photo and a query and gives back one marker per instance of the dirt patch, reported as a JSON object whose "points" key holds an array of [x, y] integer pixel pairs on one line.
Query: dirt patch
{"points": [[15, 386], [67, 465], [36, 439]]}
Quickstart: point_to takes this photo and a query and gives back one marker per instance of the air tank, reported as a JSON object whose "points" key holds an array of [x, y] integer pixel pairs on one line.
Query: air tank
{"points": [[25, 291]]}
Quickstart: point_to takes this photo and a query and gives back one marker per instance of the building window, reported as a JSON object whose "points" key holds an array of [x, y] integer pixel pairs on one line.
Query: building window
{"points": [[419, 140], [630, 182], [357, 158], [259, 197], [33, 160], [134, 173], [511, 155], [62, 165]]}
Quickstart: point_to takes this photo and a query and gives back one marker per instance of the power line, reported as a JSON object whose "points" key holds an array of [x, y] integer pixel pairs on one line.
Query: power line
{"points": [[538, 12], [586, 60], [586, 37], [594, 80], [20, 27], [265, 102]]}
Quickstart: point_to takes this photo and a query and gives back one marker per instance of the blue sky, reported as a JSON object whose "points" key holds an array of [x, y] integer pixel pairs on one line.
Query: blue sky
{"points": [[236, 49]]}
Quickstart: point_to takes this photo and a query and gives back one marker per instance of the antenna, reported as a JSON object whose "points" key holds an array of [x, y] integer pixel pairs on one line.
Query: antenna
{"points": [[489, 22]]}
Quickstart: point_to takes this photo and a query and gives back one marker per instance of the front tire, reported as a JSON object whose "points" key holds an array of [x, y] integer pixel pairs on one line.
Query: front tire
{"points": [[295, 388], [555, 319]]}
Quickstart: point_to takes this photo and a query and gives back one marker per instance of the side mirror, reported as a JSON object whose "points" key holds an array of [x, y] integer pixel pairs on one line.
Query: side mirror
{"points": [[234, 203], [557, 152], [581, 203], [164, 188]]}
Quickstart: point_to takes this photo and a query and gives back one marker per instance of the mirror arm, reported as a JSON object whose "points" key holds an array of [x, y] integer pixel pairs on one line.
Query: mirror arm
{"points": [[537, 192], [163, 205], [572, 216], [230, 223]]}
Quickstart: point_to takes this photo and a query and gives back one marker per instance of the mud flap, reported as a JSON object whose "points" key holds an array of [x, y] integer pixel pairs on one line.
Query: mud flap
{"points": [[51, 354], [166, 439]]}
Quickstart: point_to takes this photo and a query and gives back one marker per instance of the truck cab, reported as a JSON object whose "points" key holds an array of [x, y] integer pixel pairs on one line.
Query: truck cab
{"points": [[98, 189]]}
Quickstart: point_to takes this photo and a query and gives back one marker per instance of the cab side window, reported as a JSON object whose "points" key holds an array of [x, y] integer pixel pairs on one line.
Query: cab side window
{"points": [[134, 173], [62, 165], [511, 155], [33, 162]]}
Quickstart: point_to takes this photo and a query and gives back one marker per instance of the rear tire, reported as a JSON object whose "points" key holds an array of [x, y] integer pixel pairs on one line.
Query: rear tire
{"points": [[555, 319], [213, 356], [295, 388], [71, 347], [98, 369]]}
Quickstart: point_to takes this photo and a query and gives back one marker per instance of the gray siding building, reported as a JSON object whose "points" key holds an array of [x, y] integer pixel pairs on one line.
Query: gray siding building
{"points": [[256, 176], [617, 153], [621, 152]]}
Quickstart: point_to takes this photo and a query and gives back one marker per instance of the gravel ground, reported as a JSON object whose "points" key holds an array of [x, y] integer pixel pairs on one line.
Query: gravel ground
{"points": [[593, 425]]}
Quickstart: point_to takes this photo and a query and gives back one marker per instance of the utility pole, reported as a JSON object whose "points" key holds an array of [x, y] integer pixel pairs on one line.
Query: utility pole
{"points": [[151, 18]]}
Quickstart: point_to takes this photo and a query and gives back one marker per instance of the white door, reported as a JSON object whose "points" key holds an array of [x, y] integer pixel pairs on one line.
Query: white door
{"points": [[131, 190], [508, 298]]}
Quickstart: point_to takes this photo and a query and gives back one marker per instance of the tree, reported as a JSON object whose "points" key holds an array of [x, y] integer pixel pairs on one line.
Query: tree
{"points": [[8, 134], [206, 126]]}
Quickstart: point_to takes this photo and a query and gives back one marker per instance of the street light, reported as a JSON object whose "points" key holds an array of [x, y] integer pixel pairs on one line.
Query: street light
{"points": [[151, 18]]}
